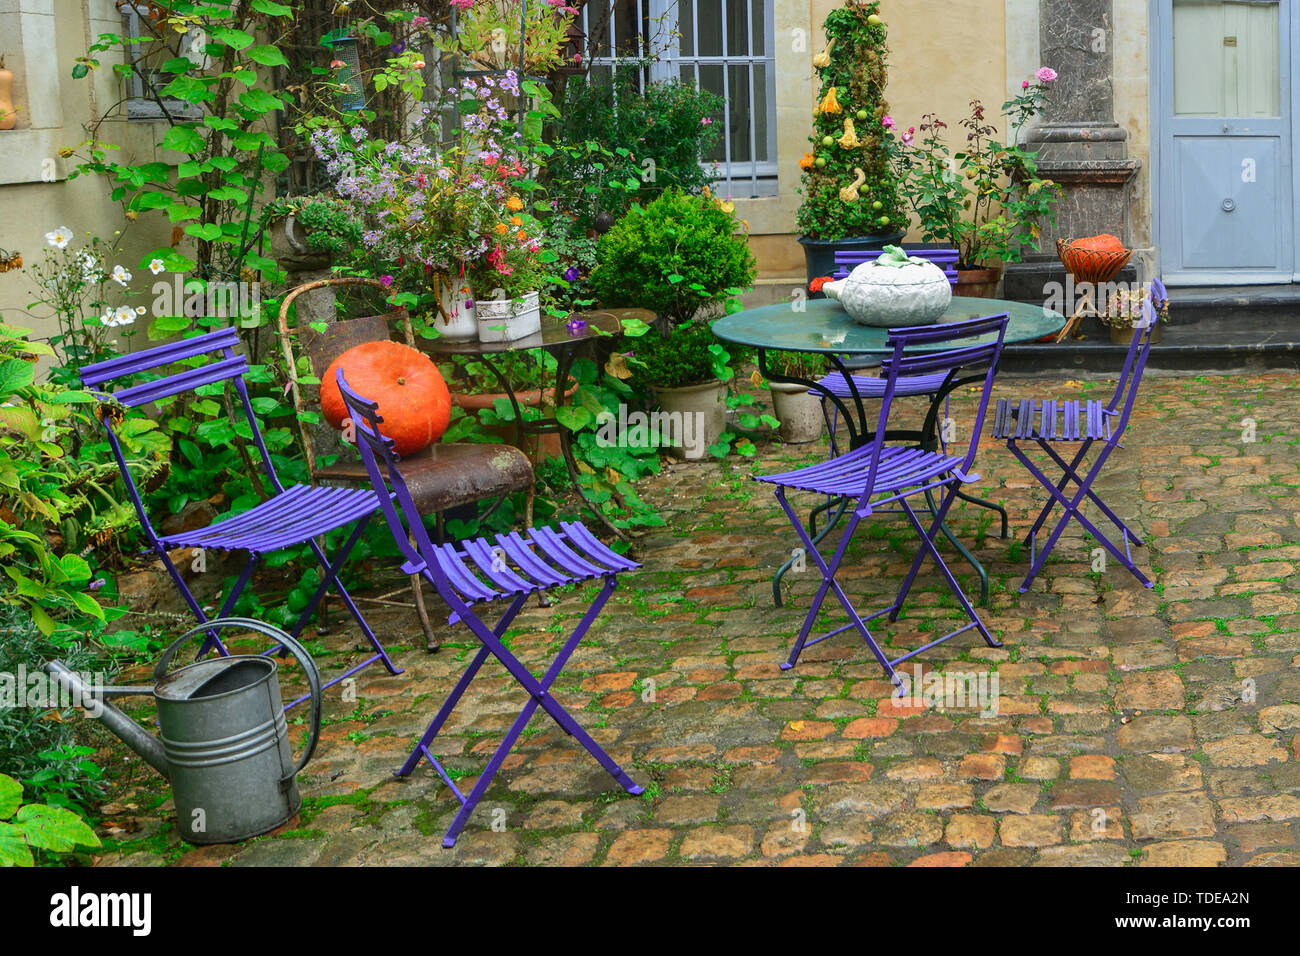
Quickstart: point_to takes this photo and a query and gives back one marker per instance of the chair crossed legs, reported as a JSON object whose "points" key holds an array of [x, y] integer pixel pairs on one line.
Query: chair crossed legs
{"points": [[481, 571], [1048, 422], [297, 515], [877, 474]]}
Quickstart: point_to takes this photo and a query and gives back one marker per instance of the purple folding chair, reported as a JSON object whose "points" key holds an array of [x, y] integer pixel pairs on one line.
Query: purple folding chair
{"points": [[479, 570], [292, 516], [879, 474], [1048, 422]]}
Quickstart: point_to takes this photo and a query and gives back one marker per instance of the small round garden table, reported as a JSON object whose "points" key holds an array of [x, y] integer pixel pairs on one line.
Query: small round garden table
{"points": [[821, 326], [564, 339]]}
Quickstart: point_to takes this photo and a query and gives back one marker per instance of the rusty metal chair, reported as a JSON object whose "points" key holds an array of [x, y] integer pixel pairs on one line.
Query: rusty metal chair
{"points": [[445, 476]]}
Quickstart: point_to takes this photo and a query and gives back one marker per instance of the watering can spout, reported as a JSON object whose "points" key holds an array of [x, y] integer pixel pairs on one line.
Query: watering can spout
{"points": [[126, 729]]}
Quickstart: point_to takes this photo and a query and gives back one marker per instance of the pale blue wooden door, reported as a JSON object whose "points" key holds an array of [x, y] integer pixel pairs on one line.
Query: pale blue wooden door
{"points": [[1226, 214]]}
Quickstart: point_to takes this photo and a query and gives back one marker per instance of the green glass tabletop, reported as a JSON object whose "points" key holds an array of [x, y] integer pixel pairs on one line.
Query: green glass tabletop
{"points": [[822, 325]]}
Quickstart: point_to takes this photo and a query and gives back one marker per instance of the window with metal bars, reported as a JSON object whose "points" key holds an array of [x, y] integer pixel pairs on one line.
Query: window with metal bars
{"points": [[724, 46], [143, 99]]}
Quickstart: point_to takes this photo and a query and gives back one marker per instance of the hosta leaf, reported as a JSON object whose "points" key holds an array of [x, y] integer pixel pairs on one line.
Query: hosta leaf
{"points": [[53, 828], [11, 796], [13, 848]]}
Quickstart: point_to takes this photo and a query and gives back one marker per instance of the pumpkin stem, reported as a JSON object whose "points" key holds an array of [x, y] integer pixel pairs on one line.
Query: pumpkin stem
{"points": [[401, 380]]}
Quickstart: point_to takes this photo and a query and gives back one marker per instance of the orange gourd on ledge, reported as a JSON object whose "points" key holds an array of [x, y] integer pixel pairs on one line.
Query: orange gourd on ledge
{"points": [[8, 115], [412, 396]]}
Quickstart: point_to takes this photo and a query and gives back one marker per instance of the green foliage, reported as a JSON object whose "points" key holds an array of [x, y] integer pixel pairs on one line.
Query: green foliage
{"points": [[49, 499], [225, 153], [628, 144], [686, 355], [27, 830], [37, 745], [676, 256], [852, 133]]}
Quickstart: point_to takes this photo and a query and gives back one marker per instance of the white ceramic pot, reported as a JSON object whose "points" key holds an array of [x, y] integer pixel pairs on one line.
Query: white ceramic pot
{"points": [[504, 320], [460, 324], [886, 296], [697, 415], [799, 413]]}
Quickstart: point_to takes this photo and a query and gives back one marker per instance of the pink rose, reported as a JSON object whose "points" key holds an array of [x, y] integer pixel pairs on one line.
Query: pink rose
{"points": [[1024, 85], [908, 136], [1046, 75], [887, 122]]}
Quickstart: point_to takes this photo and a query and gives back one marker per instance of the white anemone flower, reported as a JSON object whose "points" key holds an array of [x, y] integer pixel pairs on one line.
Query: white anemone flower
{"points": [[123, 315], [156, 266], [59, 238], [121, 276]]}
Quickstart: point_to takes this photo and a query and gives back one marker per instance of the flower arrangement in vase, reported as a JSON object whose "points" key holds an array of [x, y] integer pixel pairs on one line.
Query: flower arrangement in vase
{"points": [[449, 220]]}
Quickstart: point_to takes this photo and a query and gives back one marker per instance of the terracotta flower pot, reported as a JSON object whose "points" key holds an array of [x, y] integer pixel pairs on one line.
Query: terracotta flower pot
{"points": [[977, 283], [700, 415], [799, 413]]}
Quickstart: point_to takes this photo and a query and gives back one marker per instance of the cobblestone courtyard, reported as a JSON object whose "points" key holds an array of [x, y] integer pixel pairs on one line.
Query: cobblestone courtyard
{"points": [[1133, 728]]}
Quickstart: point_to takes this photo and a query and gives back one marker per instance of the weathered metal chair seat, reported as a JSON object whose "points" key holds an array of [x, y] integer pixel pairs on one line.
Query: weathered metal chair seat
{"points": [[448, 476]]}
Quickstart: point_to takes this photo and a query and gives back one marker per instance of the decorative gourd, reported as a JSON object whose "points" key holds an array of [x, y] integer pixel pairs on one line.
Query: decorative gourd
{"points": [[895, 290], [8, 115], [412, 397], [850, 192]]}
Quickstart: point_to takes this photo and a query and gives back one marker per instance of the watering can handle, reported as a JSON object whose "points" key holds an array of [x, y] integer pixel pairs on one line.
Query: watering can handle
{"points": [[308, 666]]}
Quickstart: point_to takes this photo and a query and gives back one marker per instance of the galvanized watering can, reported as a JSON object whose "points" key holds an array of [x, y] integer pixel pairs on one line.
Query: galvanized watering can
{"points": [[224, 742]]}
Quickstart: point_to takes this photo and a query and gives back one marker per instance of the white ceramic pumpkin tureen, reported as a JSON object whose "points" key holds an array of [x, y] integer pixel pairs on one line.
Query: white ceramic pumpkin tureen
{"points": [[894, 290]]}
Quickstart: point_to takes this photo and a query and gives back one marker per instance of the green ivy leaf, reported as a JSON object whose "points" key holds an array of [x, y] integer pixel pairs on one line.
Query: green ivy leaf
{"points": [[208, 231], [182, 139], [267, 55], [235, 39], [572, 417]]}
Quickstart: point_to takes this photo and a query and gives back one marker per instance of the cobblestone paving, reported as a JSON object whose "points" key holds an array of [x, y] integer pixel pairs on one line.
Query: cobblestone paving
{"points": [[1134, 727]]}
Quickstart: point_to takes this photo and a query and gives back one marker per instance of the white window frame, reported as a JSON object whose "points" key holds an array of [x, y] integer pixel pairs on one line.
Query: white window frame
{"points": [[758, 176]]}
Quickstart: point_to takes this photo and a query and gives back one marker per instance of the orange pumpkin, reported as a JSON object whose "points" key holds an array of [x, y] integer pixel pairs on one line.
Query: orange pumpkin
{"points": [[412, 397], [1102, 243]]}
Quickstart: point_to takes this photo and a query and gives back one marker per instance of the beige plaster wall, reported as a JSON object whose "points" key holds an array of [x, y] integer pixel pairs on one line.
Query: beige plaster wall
{"points": [[40, 40]]}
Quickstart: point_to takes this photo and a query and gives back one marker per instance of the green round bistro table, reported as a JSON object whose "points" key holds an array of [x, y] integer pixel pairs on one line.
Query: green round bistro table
{"points": [[821, 326]]}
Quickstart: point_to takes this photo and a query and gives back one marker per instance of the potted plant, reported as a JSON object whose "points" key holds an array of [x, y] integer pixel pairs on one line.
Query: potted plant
{"points": [[687, 370], [986, 199], [850, 189], [309, 232], [679, 255], [1123, 315], [798, 410]]}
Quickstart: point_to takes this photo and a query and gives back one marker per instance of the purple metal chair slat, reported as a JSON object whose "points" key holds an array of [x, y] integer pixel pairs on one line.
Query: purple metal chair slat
{"points": [[558, 551], [537, 569], [147, 392], [443, 567], [106, 371], [583, 539], [291, 516], [897, 473], [1087, 423], [460, 576], [491, 563]]}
